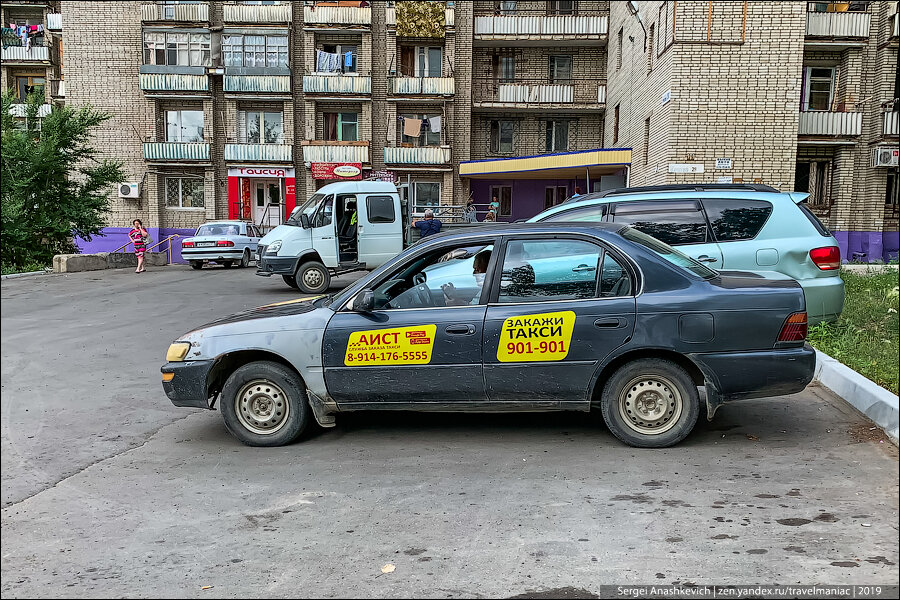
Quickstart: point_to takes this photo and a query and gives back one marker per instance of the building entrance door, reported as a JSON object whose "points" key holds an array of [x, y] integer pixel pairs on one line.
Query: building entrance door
{"points": [[266, 194]]}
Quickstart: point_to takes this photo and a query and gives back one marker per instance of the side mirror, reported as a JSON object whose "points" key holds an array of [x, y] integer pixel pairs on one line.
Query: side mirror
{"points": [[304, 221], [364, 301]]}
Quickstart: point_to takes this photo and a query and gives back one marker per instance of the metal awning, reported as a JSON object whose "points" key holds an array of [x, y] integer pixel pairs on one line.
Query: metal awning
{"points": [[601, 161]]}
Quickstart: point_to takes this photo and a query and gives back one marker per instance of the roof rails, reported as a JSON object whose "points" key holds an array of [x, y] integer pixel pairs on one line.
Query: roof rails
{"points": [[684, 187]]}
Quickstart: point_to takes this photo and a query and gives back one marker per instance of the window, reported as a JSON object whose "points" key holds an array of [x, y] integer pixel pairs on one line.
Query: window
{"points": [[614, 278], [616, 124], [588, 214], [651, 38], [426, 194], [342, 126], [549, 270], [380, 209], [561, 69], [737, 219], [502, 137], [619, 48], [815, 178], [560, 7], [818, 90], [429, 61], [427, 137], [505, 68], [184, 125], [505, 7], [676, 222], [555, 194], [669, 253], [557, 136], [892, 190], [665, 31], [183, 192], [263, 127], [647, 140], [324, 213], [176, 49], [255, 50], [503, 194], [29, 84], [341, 50]]}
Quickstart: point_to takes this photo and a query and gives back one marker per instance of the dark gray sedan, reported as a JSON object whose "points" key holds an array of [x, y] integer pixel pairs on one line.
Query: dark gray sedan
{"points": [[515, 318]]}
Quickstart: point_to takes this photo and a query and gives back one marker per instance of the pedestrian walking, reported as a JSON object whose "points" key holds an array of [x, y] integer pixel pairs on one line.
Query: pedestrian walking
{"points": [[139, 237]]}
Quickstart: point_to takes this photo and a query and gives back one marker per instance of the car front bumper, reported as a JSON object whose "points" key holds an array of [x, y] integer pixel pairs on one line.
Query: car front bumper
{"points": [[276, 265], [188, 387], [824, 298]]}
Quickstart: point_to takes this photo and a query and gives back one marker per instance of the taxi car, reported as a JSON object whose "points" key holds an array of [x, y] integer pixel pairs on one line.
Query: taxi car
{"points": [[520, 317]]}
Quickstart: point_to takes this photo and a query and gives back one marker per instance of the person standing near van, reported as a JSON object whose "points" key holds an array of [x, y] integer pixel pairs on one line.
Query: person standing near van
{"points": [[429, 225]]}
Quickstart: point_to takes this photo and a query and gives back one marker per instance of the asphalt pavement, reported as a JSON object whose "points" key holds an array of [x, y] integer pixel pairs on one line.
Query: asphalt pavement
{"points": [[110, 491]]}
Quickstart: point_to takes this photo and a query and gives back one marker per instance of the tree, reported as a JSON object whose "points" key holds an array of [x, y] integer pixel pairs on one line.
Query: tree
{"points": [[52, 185]]}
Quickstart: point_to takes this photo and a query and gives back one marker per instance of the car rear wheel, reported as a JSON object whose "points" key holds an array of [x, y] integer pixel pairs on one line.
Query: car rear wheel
{"points": [[197, 264], [650, 403], [291, 281], [313, 277], [263, 404], [245, 260]]}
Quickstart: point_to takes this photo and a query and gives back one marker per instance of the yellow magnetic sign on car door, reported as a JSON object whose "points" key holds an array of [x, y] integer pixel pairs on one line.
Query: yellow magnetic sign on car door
{"points": [[533, 338], [398, 346]]}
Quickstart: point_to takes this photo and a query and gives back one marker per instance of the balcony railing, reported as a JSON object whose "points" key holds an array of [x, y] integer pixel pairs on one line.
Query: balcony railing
{"points": [[21, 110], [337, 15], [261, 84], [426, 86], [254, 13], [38, 52], [891, 123], [390, 17], [426, 155], [334, 151], [830, 123], [539, 92], [337, 84], [843, 24], [54, 21], [172, 82], [259, 152], [165, 151], [539, 25], [155, 11]]}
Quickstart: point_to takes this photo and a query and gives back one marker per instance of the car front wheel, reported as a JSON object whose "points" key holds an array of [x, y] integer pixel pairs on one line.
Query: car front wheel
{"points": [[313, 277], [650, 403], [263, 404]]}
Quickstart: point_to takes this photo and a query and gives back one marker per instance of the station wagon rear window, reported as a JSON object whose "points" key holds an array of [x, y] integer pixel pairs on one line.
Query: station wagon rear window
{"points": [[733, 220], [668, 253]]}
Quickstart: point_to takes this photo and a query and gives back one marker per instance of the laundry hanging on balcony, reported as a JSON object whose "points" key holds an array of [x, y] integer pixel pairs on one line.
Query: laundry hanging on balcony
{"points": [[434, 124], [412, 127], [348, 59], [326, 62]]}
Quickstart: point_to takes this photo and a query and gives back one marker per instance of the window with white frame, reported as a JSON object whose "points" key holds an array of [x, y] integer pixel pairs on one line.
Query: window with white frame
{"points": [[176, 49], [184, 192], [342, 127], [428, 61], [818, 89], [241, 50], [557, 136], [184, 125], [261, 127]]}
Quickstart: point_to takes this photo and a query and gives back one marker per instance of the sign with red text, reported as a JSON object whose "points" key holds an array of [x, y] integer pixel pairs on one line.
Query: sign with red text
{"points": [[278, 172], [346, 171]]}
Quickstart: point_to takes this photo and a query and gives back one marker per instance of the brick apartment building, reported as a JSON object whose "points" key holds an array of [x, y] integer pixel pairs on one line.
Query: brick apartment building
{"points": [[243, 109]]}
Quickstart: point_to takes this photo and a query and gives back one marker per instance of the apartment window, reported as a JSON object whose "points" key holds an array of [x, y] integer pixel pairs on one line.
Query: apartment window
{"points": [[342, 50], [342, 127], [560, 7], [892, 190], [505, 68], [255, 50], [818, 88], [426, 137], [647, 140], [426, 194], [503, 194], [183, 192], [619, 38], [561, 69], [555, 194], [814, 177], [651, 37], [616, 124], [176, 49], [262, 127], [421, 61], [505, 7], [557, 136], [502, 137], [665, 30], [184, 125], [29, 84]]}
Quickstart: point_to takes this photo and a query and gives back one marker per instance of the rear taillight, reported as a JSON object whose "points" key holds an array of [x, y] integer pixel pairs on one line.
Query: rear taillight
{"points": [[224, 243], [794, 328], [187, 244], [827, 258]]}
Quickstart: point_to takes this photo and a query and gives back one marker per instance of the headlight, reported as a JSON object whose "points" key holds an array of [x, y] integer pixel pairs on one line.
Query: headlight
{"points": [[177, 351], [274, 247]]}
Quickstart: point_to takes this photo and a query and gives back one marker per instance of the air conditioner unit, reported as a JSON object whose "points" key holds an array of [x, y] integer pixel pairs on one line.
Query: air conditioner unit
{"points": [[886, 156], [129, 190]]}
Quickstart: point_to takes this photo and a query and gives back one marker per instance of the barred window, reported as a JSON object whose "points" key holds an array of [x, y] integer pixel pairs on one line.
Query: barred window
{"points": [[182, 192]]}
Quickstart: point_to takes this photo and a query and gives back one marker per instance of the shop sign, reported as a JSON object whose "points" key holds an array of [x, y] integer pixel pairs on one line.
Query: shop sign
{"points": [[347, 171], [260, 172], [389, 176]]}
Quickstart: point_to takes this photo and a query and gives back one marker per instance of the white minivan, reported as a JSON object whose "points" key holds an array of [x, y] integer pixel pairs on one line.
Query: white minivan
{"points": [[345, 226]]}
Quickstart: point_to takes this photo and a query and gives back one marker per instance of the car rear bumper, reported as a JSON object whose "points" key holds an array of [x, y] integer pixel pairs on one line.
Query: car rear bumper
{"points": [[188, 386], [276, 265], [757, 374], [212, 254], [824, 298]]}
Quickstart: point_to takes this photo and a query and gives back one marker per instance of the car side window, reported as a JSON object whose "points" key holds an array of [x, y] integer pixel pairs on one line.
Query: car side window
{"points": [[674, 222], [549, 269], [733, 220], [324, 213], [594, 213], [380, 209], [614, 278]]}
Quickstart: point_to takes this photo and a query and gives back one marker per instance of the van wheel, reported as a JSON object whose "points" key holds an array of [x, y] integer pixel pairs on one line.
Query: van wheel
{"points": [[197, 264], [263, 404], [313, 278], [650, 403], [291, 281], [245, 260]]}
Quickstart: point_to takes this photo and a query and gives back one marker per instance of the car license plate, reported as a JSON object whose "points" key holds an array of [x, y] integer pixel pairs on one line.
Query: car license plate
{"points": [[206, 243]]}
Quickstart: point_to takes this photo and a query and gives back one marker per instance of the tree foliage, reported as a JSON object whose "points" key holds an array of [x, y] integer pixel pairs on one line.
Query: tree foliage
{"points": [[52, 185]]}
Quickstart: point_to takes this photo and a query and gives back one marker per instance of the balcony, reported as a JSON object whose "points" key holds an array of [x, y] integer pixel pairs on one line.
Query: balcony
{"points": [[329, 151], [538, 94], [830, 123], [257, 84], [37, 53], [326, 14], [194, 12], [253, 13], [891, 123], [280, 153], [426, 155], [21, 110], [846, 24], [58, 89], [337, 84], [176, 151], [449, 22], [423, 86], [173, 82], [54, 21], [538, 28]]}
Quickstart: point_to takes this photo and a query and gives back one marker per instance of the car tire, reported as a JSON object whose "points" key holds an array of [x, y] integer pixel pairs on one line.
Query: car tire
{"points": [[197, 264], [313, 277], [227, 264], [291, 281], [263, 403], [650, 403], [245, 260]]}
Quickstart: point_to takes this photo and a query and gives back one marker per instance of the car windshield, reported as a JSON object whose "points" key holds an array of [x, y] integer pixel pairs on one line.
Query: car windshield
{"points": [[308, 208], [219, 229], [669, 253]]}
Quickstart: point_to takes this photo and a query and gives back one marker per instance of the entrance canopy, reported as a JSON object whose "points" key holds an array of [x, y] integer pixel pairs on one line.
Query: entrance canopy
{"points": [[563, 165]]}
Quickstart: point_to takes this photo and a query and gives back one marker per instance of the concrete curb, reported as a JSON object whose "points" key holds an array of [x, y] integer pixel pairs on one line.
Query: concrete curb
{"points": [[28, 274], [872, 400]]}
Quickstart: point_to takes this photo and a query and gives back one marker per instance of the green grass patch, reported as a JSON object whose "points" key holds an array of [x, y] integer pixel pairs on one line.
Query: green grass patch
{"points": [[866, 336], [27, 268]]}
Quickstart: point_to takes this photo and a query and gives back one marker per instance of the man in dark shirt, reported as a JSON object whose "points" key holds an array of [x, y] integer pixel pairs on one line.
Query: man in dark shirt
{"points": [[428, 225]]}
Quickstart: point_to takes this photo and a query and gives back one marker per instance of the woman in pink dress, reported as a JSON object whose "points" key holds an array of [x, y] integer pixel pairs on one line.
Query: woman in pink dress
{"points": [[138, 236]]}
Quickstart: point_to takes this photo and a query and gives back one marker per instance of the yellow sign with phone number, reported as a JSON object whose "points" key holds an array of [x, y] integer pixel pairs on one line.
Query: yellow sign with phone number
{"points": [[398, 346], [536, 338]]}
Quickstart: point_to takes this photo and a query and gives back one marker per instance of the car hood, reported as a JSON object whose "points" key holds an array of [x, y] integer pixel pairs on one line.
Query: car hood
{"points": [[288, 308], [278, 233]]}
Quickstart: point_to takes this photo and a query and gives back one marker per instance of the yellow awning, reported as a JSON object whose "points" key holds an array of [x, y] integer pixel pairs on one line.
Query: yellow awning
{"points": [[567, 164]]}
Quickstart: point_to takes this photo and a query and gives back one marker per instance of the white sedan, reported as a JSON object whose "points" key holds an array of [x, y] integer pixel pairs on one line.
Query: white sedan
{"points": [[223, 242]]}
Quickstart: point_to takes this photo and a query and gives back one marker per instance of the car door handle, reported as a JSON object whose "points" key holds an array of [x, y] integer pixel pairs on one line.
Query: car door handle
{"points": [[610, 323], [327, 237], [581, 268], [707, 258], [460, 329]]}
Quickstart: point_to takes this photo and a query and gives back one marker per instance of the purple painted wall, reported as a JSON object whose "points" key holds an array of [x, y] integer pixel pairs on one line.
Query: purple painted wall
{"points": [[115, 237], [868, 246], [527, 195]]}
